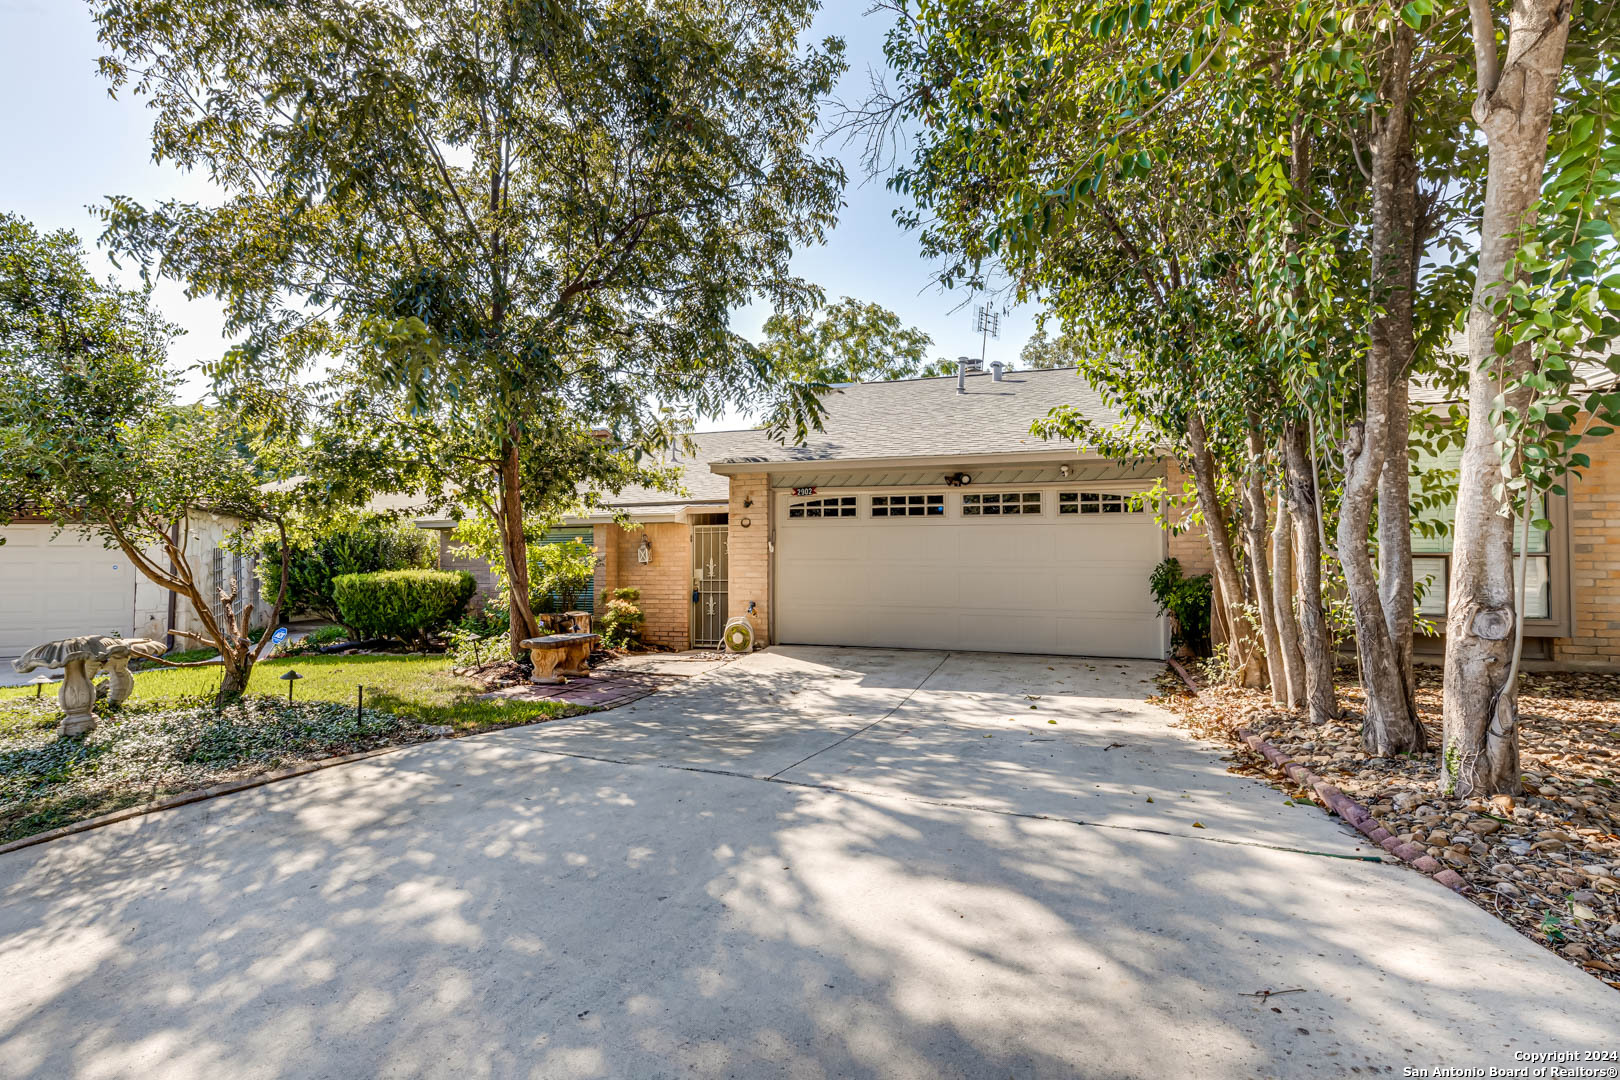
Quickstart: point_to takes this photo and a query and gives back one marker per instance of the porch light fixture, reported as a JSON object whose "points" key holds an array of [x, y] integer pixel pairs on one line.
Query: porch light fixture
{"points": [[958, 479], [644, 551]]}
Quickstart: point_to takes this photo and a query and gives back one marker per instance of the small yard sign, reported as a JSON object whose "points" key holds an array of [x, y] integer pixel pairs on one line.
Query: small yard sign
{"points": [[278, 637], [804, 491]]}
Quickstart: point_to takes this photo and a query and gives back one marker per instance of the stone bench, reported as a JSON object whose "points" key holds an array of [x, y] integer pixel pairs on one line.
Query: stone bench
{"points": [[559, 654]]}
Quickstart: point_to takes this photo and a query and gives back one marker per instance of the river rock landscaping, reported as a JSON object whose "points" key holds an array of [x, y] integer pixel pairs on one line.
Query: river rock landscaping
{"points": [[1546, 861]]}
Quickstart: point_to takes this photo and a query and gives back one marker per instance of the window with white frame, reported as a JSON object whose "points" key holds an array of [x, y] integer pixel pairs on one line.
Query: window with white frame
{"points": [[1003, 503], [1095, 502], [835, 506], [892, 506], [1431, 564], [1431, 550]]}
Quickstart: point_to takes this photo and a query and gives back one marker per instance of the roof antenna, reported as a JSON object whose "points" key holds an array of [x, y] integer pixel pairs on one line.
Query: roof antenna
{"points": [[987, 321]]}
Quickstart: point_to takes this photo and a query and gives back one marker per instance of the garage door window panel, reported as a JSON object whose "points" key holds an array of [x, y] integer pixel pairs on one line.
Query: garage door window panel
{"points": [[1001, 503], [1096, 502], [838, 506], [923, 506]]}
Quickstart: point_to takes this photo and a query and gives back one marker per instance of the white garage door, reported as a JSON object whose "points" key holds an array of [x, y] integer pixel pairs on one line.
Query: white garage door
{"points": [[1051, 570], [59, 588]]}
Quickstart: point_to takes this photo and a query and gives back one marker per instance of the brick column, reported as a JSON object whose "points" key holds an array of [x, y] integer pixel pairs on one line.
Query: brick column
{"points": [[748, 553]]}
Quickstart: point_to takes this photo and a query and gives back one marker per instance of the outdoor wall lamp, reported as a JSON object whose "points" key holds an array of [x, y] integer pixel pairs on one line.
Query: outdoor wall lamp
{"points": [[644, 551], [958, 479]]}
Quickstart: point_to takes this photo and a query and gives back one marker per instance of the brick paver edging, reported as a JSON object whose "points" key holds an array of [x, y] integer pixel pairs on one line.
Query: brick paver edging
{"points": [[188, 797], [1338, 802]]}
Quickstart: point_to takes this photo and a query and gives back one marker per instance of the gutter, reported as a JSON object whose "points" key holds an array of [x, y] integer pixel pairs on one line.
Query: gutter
{"points": [[736, 466]]}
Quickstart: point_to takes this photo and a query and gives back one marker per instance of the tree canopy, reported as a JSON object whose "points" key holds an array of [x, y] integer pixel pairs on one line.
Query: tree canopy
{"points": [[519, 221]]}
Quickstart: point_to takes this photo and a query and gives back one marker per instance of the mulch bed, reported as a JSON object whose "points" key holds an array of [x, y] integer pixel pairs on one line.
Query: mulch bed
{"points": [[1547, 862]]}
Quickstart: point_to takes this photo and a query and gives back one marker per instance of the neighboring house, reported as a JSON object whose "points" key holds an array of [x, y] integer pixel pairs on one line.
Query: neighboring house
{"points": [[62, 584]]}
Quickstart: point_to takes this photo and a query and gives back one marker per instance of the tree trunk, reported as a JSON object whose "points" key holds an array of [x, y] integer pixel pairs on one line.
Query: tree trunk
{"points": [[1395, 482], [1255, 545], [1299, 493], [1389, 726], [1514, 110], [238, 669], [1282, 604], [1240, 639], [515, 550]]}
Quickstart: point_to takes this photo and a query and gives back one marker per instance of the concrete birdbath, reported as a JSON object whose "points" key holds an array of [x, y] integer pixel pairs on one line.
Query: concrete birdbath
{"points": [[81, 659]]}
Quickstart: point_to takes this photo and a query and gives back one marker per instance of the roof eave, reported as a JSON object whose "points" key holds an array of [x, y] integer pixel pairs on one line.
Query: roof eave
{"points": [[734, 467]]}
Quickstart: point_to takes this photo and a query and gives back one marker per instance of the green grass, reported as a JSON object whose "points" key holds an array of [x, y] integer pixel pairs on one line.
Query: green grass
{"points": [[171, 738], [419, 687]]}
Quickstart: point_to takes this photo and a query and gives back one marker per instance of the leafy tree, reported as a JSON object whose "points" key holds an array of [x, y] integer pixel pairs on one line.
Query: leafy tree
{"points": [[1043, 353], [1536, 307], [92, 439], [517, 223], [848, 342], [559, 573]]}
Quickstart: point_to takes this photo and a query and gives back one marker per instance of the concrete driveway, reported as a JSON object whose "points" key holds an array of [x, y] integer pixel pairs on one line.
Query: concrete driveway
{"points": [[813, 863]]}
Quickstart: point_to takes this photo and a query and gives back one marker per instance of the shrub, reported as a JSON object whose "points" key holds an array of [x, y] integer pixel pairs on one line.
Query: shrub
{"points": [[560, 574], [1185, 599], [403, 604], [346, 544], [621, 617]]}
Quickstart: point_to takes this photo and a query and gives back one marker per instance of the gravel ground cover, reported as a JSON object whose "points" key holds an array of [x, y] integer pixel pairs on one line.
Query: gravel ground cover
{"points": [[1546, 861]]}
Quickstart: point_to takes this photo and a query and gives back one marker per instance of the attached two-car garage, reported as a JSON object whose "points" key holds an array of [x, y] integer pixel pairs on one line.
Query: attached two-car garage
{"points": [[1051, 569]]}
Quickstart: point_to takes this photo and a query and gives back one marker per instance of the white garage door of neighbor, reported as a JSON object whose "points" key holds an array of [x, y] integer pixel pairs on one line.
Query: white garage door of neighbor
{"points": [[51, 589], [1060, 575]]}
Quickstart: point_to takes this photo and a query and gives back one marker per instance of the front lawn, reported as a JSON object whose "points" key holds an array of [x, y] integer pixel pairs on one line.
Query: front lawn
{"points": [[419, 687], [170, 737]]}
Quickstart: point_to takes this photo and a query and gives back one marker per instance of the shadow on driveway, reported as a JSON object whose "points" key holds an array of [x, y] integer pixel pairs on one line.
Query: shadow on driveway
{"points": [[487, 907]]}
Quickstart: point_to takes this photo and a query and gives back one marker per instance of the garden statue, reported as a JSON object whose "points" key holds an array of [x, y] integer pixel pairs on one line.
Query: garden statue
{"points": [[81, 660]]}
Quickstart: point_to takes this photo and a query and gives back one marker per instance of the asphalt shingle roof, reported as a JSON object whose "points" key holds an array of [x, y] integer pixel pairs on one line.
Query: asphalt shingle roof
{"points": [[906, 418], [928, 418]]}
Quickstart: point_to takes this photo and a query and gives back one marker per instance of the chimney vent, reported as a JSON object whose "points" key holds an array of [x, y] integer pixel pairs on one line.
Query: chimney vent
{"points": [[995, 370], [971, 364]]}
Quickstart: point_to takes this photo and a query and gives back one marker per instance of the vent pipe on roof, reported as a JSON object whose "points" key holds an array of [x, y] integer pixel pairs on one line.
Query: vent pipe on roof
{"points": [[995, 370], [974, 365], [961, 377]]}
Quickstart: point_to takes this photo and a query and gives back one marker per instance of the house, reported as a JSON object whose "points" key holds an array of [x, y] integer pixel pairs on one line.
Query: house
{"points": [[57, 584], [924, 515]]}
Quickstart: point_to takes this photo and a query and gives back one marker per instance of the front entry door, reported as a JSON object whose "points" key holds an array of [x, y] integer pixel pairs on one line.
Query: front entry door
{"points": [[709, 576]]}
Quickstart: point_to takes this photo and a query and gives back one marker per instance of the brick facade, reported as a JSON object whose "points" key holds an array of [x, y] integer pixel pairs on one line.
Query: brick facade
{"points": [[748, 553], [665, 582], [1594, 565], [1191, 546]]}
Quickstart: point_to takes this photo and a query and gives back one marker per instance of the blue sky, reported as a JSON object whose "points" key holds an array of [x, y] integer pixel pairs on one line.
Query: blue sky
{"points": [[72, 146]]}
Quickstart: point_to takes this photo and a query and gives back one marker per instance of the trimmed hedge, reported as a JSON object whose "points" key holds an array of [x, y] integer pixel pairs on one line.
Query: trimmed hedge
{"points": [[346, 544], [404, 604]]}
